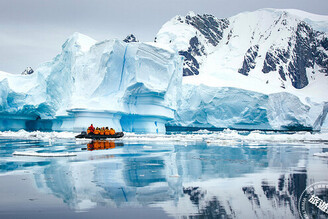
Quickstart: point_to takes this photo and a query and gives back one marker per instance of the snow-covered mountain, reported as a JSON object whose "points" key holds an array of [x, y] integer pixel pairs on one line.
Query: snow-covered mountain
{"points": [[267, 51]]}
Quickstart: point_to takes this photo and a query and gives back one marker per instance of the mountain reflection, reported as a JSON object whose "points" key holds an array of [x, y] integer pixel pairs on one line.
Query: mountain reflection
{"points": [[211, 182]]}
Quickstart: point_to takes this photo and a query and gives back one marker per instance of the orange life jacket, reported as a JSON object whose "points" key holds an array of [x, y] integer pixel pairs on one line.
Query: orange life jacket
{"points": [[111, 131]]}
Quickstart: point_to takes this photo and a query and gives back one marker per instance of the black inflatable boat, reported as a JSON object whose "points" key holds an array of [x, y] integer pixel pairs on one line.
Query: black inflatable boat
{"points": [[93, 136]]}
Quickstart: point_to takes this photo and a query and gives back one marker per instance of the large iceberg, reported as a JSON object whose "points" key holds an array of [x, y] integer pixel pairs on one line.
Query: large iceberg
{"points": [[226, 107], [128, 86]]}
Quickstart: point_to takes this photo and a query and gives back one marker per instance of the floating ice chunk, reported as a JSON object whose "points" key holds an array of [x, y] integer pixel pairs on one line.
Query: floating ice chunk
{"points": [[36, 154], [22, 134], [147, 147], [323, 154]]}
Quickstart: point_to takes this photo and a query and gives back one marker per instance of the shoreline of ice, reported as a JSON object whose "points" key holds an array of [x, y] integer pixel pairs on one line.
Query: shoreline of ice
{"points": [[225, 137]]}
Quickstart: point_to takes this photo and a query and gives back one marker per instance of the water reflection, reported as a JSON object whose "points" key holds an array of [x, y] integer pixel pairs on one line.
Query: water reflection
{"points": [[103, 145], [192, 181]]}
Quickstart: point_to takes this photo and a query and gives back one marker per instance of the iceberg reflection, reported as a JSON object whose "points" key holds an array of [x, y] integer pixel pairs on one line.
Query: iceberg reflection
{"points": [[192, 181]]}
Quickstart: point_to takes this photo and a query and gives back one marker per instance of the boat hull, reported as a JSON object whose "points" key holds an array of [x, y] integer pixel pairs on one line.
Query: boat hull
{"points": [[93, 136]]}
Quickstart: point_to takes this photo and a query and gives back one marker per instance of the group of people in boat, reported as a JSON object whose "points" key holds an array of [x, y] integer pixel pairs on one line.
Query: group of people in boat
{"points": [[100, 131]]}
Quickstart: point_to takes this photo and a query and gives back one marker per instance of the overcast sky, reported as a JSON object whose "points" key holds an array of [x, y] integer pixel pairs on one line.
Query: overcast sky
{"points": [[32, 31]]}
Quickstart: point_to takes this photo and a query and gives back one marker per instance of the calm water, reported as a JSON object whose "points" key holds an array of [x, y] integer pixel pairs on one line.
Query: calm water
{"points": [[156, 177]]}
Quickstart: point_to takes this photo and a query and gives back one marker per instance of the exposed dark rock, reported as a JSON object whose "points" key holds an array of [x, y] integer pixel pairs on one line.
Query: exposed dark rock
{"points": [[270, 63], [324, 43], [190, 65], [304, 52], [282, 73], [309, 48], [249, 60], [28, 71], [130, 39], [209, 26], [195, 47]]}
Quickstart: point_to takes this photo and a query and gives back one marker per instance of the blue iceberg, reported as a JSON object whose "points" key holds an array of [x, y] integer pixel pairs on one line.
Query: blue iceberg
{"points": [[128, 86]]}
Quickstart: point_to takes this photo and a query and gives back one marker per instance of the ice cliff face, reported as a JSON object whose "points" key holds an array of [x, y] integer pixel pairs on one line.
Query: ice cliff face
{"points": [[286, 49], [203, 106]]}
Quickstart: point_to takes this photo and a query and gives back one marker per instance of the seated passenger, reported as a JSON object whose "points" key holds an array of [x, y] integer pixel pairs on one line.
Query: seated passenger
{"points": [[112, 131], [106, 131], [97, 131], [91, 129]]}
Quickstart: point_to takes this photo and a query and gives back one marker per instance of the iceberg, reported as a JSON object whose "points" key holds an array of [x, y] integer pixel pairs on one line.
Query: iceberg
{"points": [[128, 86], [201, 106]]}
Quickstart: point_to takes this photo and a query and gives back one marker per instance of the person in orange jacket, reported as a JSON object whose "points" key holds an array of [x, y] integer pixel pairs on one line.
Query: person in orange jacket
{"points": [[106, 131], [102, 131], [111, 131], [97, 131]]}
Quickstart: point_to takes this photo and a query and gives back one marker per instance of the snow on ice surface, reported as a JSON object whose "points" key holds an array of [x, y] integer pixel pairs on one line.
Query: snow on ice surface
{"points": [[22, 134]]}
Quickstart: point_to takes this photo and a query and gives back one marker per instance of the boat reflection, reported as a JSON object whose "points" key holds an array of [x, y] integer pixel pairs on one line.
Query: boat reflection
{"points": [[103, 145]]}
